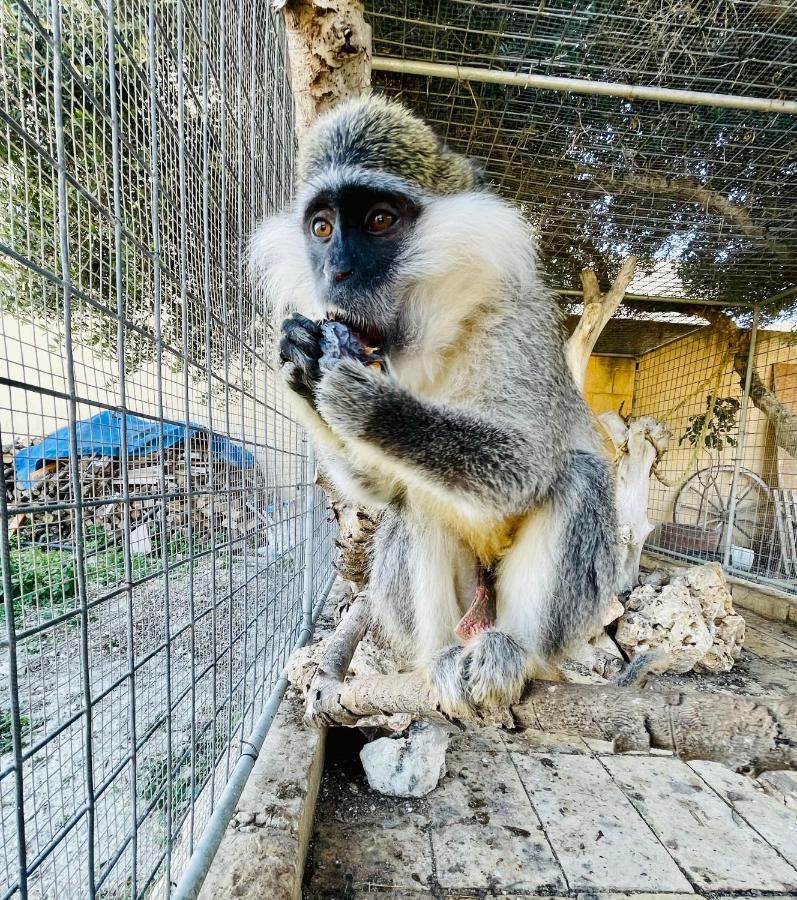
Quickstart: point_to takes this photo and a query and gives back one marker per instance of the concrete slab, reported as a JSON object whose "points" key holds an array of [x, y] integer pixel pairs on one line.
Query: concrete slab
{"points": [[768, 645], [495, 857], [625, 895], [714, 846], [589, 823], [782, 786], [263, 850], [544, 742], [475, 738], [392, 856], [481, 788], [773, 821]]}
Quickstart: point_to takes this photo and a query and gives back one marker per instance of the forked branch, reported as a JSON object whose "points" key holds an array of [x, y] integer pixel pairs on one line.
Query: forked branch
{"points": [[598, 309]]}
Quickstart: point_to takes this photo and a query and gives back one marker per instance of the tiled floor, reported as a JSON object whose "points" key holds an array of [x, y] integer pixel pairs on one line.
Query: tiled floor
{"points": [[536, 814]]}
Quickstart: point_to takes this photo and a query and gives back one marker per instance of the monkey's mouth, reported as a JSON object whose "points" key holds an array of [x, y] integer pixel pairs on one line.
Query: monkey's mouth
{"points": [[368, 335]]}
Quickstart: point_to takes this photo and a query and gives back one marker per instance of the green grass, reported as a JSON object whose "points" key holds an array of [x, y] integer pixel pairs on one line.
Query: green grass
{"points": [[40, 578], [6, 743]]}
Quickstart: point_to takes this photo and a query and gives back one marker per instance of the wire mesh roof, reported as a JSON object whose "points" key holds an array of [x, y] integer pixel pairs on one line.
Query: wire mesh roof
{"points": [[705, 197]]}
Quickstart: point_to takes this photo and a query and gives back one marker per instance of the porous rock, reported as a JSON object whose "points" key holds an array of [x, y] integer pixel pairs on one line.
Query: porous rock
{"points": [[689, 619], [407, 766]]}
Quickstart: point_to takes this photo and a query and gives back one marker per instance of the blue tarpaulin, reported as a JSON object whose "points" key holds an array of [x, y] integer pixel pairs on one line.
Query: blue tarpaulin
{"points": [[101, 435]]}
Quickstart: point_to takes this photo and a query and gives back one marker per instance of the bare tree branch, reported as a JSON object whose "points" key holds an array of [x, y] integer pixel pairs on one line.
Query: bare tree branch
{"points": [[598, 309], [746, 733]]}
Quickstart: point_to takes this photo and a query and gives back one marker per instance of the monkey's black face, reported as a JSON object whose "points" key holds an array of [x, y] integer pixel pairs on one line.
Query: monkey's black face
{"points": [[355, 236]]}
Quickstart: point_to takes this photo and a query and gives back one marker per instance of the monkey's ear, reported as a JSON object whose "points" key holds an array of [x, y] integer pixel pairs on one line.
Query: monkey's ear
{"points": [[615, 426]]}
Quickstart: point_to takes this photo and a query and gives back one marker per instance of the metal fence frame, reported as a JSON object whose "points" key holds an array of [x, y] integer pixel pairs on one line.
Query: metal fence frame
{"points": [[157, 137], [747, 454]]}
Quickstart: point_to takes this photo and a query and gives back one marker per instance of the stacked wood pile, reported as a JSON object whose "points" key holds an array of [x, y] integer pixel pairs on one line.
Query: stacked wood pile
{"points": [[202, 493]]}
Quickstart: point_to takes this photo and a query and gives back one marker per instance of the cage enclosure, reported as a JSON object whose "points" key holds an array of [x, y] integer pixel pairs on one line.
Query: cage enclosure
{"points": [[163, 544]]}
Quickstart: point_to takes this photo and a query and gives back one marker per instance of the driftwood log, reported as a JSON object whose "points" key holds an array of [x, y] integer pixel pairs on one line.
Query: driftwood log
{"points": [[750, 734]]}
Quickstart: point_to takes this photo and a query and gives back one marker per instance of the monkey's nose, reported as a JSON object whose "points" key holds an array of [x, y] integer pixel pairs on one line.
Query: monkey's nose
{"points": [[342, 276]]}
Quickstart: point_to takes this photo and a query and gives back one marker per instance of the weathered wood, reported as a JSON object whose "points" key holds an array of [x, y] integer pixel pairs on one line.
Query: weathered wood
{"points": [[598, 309], [744, 733], [329, 53], [324, 705], [638, 444]]}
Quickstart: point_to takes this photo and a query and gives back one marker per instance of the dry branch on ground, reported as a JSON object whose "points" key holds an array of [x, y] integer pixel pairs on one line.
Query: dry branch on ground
{"points": [[745, 733]]}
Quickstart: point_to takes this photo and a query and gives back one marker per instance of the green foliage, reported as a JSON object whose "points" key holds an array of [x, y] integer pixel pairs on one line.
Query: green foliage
{"points": [[29, 189], [44, 579], [153, 773], [5, 729], [719, 424]]}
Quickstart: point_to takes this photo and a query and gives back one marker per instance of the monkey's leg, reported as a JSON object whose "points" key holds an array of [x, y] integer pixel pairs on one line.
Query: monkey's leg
{"points": [[418, 573], [481, 614]]}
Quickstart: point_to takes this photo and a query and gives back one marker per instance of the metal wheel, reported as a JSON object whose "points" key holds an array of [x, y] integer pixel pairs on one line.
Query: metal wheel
{"points": [[705, 501]]}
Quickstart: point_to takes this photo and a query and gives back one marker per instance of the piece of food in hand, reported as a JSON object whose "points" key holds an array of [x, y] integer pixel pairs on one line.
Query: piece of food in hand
{"points": [[338, 342]]}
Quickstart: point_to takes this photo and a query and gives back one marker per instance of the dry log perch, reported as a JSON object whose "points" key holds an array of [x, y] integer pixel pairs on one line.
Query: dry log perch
{"points": [[750, 734]]}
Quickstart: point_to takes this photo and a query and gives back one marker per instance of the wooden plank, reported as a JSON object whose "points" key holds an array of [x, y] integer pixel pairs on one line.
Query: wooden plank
{"points": [[589, 821], [711, 843], [776, 824]]}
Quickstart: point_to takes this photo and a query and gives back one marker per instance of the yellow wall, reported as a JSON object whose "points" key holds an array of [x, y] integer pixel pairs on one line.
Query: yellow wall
{"points": [[609, 382]]}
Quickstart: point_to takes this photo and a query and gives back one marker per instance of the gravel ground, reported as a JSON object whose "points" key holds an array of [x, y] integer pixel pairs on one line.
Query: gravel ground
{"points": [[51, 692]]}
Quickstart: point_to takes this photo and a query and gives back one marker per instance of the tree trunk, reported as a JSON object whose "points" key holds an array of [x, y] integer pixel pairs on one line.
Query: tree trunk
{"points": [[598, 309], [329, 53], [639, 443]]}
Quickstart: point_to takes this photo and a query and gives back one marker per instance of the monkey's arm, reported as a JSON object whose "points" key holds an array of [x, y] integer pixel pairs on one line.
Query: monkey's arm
{"points": [[458, 450]]}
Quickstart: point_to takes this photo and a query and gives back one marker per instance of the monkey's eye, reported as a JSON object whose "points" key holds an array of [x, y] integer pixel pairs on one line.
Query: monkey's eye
{"points": [[322, 228], [379, 220]]}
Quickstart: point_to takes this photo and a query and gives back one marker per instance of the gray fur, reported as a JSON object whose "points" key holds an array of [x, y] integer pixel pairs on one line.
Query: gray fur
{"points": [[477, 420]]}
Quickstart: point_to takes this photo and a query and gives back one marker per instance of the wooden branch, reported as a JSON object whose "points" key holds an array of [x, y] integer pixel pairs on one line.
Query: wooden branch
{"points": [[745, 733], [329, 53], [598, 309], [323, 696]]}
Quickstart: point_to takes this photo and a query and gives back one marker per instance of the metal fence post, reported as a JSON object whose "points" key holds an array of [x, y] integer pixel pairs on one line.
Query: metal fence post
{"points": [[309, 540], [740, 446]]}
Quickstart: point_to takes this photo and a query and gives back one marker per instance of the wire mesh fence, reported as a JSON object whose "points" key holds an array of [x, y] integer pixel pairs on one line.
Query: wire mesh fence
{"points": [[703, 196], [724, 489], [161, 541]]}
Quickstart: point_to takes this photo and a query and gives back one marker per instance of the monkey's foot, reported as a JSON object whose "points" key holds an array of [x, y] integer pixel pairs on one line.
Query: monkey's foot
{"points": [[490, 672], [479, 617]]}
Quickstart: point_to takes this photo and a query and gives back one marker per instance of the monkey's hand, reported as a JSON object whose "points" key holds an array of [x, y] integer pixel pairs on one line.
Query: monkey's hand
{"points": [[300, 352], [350, 396]]}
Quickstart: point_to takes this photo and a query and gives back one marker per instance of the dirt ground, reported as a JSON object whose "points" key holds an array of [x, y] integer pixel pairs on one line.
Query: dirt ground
{"points": [[551, 815]]}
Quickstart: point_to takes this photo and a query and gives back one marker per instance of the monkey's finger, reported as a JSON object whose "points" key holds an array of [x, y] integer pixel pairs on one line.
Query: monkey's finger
{"points": [[298, 322], [306, 363], [307, 340]]}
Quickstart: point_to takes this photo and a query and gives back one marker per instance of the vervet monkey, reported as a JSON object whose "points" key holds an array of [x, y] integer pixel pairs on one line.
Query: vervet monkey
{"points": [[471, 443]]}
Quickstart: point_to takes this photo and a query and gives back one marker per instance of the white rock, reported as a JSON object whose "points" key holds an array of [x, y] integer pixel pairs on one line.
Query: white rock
{"points": [[409, 766], [690, 620], [669, 621]]}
